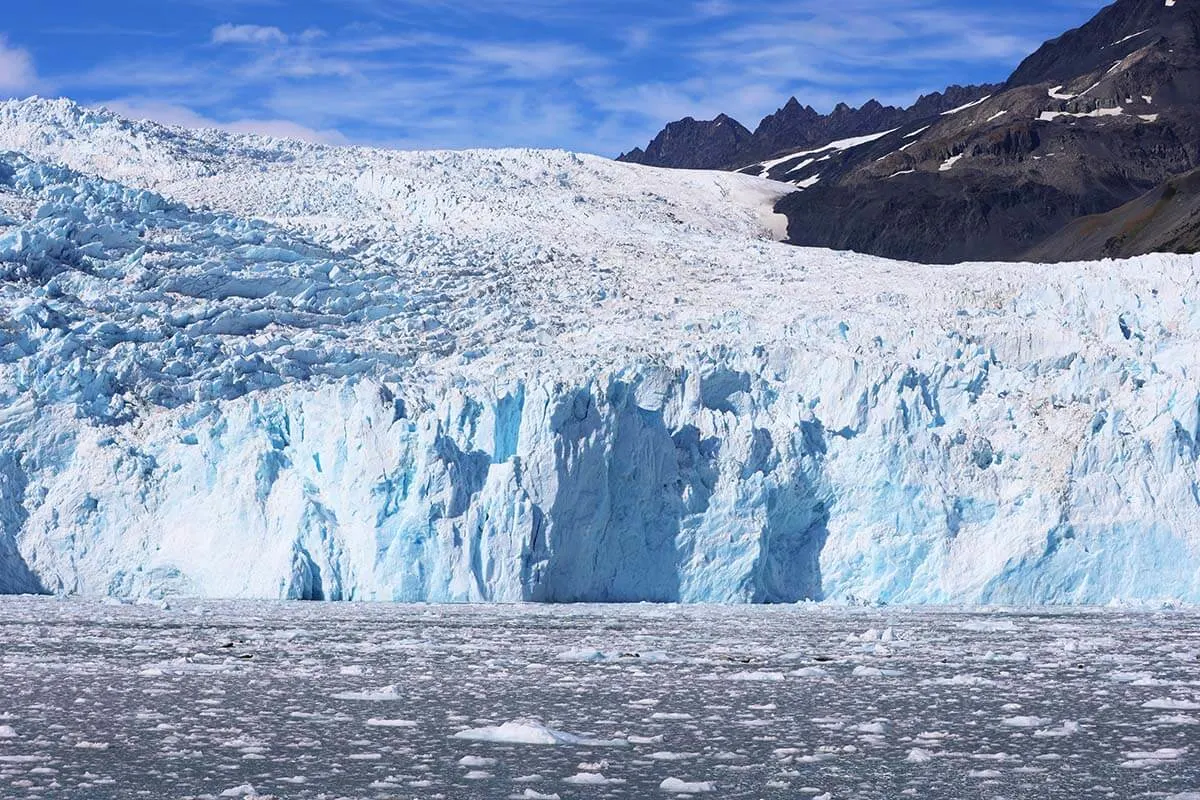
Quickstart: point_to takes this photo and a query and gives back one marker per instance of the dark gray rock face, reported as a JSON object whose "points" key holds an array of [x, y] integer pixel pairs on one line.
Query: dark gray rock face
{"points": [[1164, 220], [1103, 116], [974, 190], [693, 144], [1116, 31]]}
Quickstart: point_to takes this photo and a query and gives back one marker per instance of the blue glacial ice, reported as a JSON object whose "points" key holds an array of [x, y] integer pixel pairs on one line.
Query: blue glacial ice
{"points": [[195, 402]]}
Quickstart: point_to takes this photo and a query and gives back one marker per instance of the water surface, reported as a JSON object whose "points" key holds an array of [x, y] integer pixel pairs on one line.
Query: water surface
{"points": [[207, 699]]}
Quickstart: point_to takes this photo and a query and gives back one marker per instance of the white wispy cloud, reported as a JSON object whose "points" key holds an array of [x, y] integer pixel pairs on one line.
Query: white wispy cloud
{"points": [[248, 34], [595, 77], [169, 114], [714, 8], [17, 73]]}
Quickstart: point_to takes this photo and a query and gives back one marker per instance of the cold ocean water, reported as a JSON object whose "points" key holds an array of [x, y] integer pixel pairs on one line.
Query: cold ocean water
{"points": [[207, 699]]}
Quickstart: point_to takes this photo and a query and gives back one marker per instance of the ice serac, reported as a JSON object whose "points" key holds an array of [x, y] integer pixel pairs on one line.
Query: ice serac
{"points": [[510, 376], [546, 493]]}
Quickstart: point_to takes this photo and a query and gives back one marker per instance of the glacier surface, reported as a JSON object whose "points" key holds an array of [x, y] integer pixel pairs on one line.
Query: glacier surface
{"points": [[233, 366]]}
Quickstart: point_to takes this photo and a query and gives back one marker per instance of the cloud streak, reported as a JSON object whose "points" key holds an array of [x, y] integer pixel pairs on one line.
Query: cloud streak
{"points": [[17, 74], [168, 114], [593, 77], [248, 34]]}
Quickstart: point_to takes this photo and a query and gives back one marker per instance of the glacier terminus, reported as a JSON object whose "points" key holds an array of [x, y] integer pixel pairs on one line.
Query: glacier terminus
{"points": [[244, 367]]}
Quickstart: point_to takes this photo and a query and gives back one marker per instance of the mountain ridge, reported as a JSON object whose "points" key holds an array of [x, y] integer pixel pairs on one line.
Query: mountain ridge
{"points": [[792, 125]]}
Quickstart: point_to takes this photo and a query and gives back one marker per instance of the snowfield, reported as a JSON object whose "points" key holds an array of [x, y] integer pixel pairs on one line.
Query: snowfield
{"points": [[242, 367]]}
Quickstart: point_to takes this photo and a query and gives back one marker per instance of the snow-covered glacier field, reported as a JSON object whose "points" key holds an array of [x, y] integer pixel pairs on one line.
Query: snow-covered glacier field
{"points": [[244, 367], [210, 699]]}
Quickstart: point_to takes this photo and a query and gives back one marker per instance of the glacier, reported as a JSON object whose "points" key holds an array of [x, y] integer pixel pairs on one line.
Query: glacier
{"points": [[234, 366]]}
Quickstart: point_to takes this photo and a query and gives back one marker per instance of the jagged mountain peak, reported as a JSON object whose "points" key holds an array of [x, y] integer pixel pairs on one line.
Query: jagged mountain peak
{"points": [[1116, 31], [705, 144]]}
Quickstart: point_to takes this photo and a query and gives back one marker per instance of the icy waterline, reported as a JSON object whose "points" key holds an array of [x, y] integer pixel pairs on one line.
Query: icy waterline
{"points": [[524, 376]]}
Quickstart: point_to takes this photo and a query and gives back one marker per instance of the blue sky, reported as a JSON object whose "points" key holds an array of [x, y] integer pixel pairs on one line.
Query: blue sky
{"points": [[591, 76]]}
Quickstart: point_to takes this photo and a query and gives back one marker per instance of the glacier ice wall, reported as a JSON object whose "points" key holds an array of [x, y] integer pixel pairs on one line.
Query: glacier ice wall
{"points": [[704, 484], [196, 403]]}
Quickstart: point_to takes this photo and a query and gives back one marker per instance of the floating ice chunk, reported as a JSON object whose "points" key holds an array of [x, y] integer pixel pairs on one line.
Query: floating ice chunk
{"points": [[919, 756], [989, 626], [863, 671], [245, 790], [602, 657], [1025, 722], [7, 732], [1152, 759], [530, 794], [757, 676], [985, 773], [477, 761], [1171, 704], [810, 672], [1163, 754], [1177, 719], [375, 722], [477, 775], [582, 656], [960, 680], [683, 787], [184, 666], [644, 739], [534, 733], [384, 694], [592, 779], [1069, 728]]}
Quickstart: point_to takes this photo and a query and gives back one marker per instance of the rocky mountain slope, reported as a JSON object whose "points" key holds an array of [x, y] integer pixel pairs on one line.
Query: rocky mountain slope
{"points": [[1165, 219], [234, 366], [1091, 121]]}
